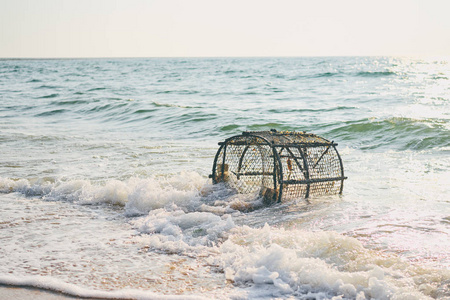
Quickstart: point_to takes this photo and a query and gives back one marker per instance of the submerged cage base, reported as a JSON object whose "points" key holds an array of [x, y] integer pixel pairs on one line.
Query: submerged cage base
{"points": [[279, 165]]}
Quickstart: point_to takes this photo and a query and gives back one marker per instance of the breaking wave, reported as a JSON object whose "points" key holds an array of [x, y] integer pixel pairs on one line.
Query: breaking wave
{"points": [[185, 215]]}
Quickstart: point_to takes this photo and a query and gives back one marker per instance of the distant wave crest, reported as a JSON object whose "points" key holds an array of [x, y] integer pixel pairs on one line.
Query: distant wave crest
{"points": [[394, 132]]}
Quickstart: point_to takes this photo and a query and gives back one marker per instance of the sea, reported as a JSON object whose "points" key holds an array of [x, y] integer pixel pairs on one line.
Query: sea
{"points": [[105, 189]]}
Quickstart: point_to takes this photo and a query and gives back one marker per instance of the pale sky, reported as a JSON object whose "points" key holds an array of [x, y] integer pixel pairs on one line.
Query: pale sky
{"points": [[204, 28]]}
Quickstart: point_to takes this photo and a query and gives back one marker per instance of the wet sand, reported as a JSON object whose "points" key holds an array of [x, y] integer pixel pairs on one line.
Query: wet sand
{"points": [[25, 293]]}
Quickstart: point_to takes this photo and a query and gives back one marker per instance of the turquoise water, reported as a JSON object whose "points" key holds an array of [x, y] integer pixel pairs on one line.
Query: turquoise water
{"points": [[111, 157]]}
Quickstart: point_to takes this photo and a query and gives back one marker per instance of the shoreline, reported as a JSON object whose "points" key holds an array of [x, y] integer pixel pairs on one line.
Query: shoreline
{"points": [[32, 293]]}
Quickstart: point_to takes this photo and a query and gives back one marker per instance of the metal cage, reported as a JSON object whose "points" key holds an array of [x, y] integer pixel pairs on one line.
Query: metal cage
{"points": [[279, 165]]}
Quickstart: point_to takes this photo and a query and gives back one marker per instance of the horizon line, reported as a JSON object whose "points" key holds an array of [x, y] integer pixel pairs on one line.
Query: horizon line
{"points": [[203, 57]]}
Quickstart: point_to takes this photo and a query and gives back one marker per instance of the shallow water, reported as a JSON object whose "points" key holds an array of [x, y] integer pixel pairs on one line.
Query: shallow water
{"points": [[105, 189]]}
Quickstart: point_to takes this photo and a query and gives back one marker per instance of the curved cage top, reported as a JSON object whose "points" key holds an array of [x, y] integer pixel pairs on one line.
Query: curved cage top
{"points": [[279, 165]]}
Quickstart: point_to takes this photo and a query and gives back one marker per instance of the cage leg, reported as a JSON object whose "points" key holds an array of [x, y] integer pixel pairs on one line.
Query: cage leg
{"points": [[342, 170], [297, 162], [214, 169], [306, 173], [223, 163], [277, 173]]}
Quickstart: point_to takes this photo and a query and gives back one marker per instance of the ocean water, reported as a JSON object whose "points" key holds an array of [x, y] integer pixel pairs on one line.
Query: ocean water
{"points": [[105, 191]]}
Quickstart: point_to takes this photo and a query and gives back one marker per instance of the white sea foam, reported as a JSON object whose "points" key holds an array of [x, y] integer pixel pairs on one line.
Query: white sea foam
{"points": [[187, 190], [149, 194], [137, 194], [299, 263], [176, 231], [294, 262]]}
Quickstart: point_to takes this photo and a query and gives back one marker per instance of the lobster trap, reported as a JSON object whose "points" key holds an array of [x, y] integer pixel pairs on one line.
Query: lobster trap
{"points": [[279, 165]]}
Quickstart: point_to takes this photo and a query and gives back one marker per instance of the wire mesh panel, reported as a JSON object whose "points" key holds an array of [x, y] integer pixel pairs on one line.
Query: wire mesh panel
{"points": [[279, 165], [323, 164], [246, 164]]}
